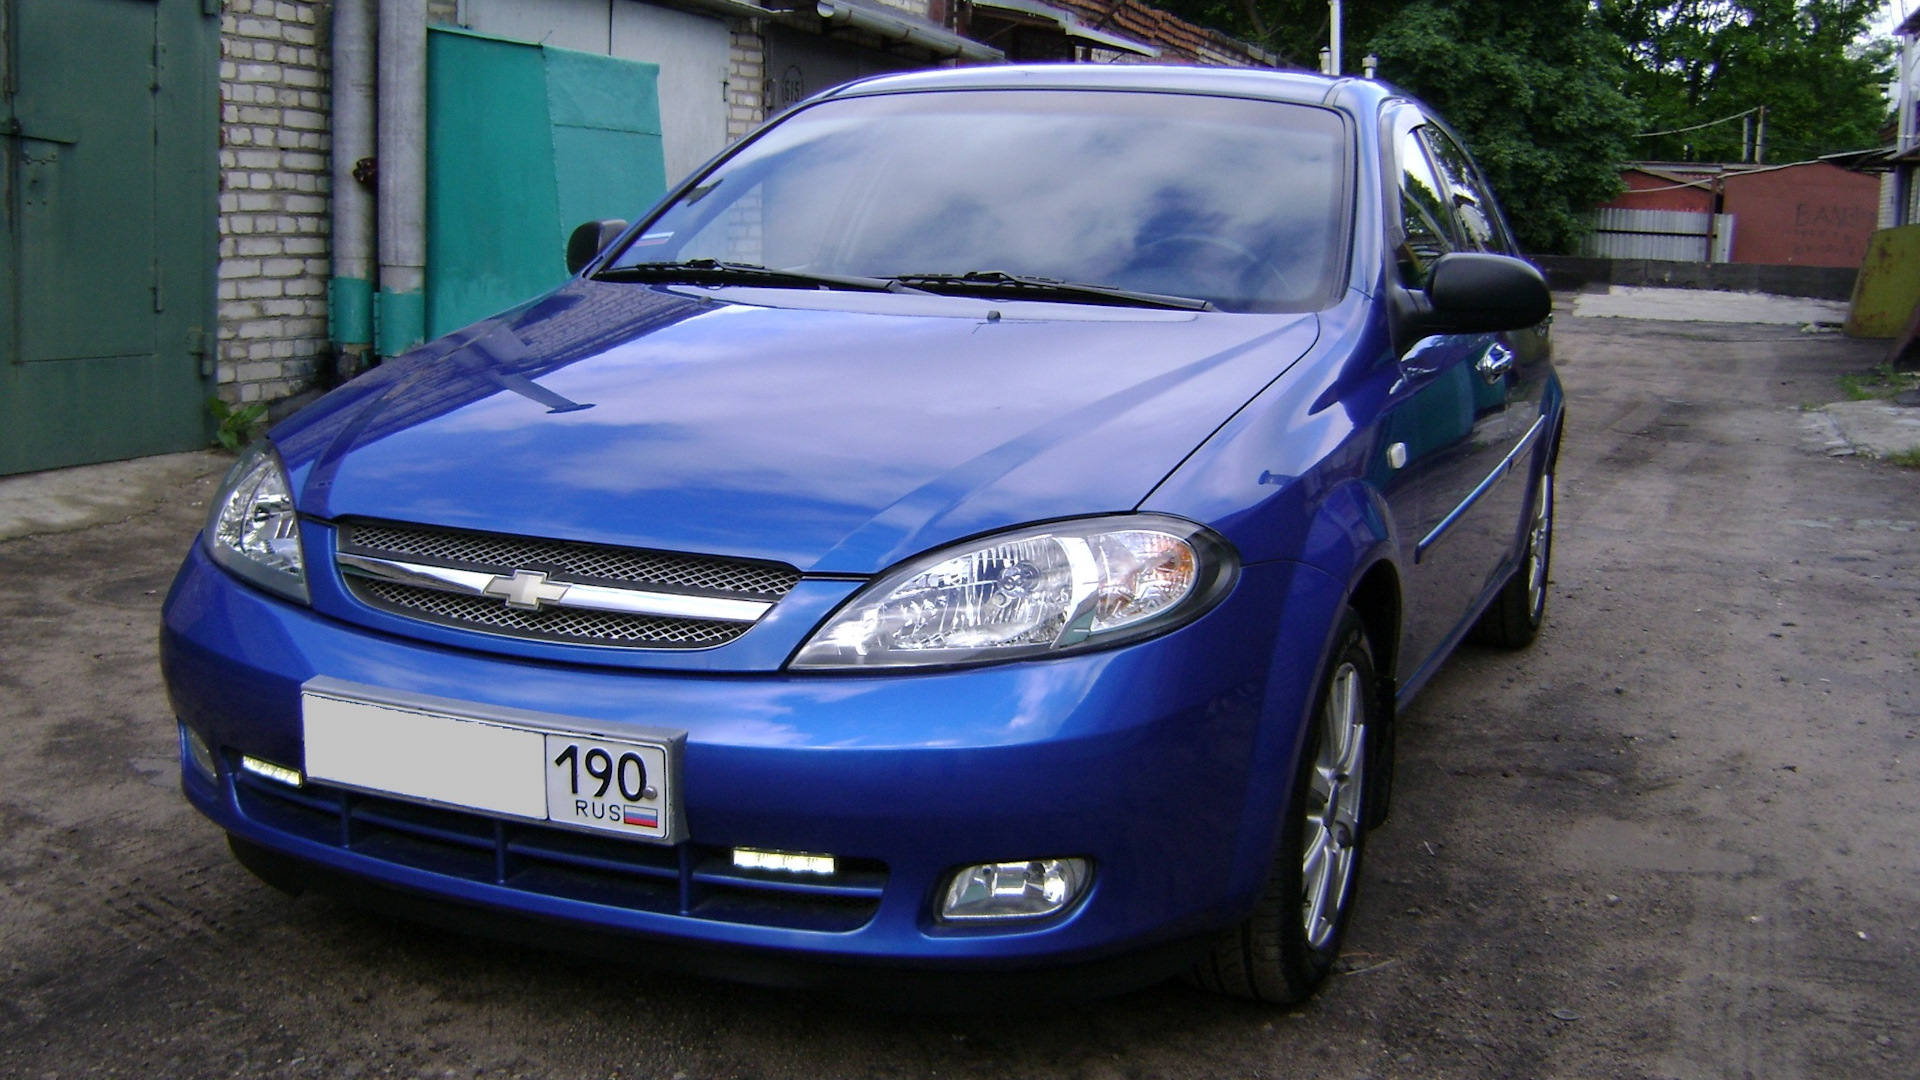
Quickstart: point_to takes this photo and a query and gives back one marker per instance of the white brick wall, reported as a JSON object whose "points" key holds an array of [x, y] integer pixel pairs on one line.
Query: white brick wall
{"points": [[746, 72], [273, 197]]}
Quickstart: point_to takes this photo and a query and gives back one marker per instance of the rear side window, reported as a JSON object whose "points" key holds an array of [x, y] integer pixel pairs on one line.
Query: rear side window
{"points": [[1428, 228]]}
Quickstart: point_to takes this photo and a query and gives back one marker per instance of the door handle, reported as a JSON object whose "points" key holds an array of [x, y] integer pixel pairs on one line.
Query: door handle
{"points": [[1496, 364]]}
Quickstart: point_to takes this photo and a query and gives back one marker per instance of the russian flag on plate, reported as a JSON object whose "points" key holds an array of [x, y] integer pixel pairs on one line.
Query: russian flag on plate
{"points": [[635, 815]]}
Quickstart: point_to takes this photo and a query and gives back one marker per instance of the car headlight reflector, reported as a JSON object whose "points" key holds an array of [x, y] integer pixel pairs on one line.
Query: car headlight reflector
{"points": [[252, 528], [1031, 592]]}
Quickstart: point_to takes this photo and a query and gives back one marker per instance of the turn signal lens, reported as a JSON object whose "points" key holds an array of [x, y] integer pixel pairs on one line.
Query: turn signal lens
{"points": [[1014, 890], [197, 753], [253, 529], [1028, 593]]}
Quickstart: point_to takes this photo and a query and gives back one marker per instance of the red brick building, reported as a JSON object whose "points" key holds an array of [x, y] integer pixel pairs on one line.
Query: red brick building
{"points": [[1809, 214]]}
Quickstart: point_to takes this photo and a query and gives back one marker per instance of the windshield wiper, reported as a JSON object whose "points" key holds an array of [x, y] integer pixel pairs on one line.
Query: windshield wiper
{"points": [[715, 272], [974, 281]]}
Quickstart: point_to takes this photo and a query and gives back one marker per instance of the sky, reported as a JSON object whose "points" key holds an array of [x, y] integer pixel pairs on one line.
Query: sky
{"points": [[1891, 16]]}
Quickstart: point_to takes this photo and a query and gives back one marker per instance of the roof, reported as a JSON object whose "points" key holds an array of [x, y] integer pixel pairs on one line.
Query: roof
{"points": [[1293, 86]]}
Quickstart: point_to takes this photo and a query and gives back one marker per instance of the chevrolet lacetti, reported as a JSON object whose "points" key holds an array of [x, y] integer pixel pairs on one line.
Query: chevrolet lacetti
{"points": [[973, 537]]}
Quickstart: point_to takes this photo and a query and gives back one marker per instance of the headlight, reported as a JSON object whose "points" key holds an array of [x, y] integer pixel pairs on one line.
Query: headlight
{"points": [[252, 529], [1034, 592]]}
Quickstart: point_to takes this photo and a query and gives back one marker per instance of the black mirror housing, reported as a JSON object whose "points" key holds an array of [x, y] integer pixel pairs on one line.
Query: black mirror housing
{"points": [[1472, 293], [590, 239]]}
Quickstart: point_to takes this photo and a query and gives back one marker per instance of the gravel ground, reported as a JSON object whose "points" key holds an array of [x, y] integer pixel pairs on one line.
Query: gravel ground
{"points": [[1674, 839]]}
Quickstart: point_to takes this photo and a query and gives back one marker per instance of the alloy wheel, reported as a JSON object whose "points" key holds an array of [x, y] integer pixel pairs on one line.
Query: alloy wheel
{"points": [[1539, 548], [1333, 808]]}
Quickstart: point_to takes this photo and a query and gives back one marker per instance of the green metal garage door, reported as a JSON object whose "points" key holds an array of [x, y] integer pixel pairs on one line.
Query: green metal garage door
{"points": [[107, 252], [524, 142]]}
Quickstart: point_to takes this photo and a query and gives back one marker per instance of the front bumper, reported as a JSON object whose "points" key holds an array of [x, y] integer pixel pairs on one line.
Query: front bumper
{"points": [[1162, 762]]}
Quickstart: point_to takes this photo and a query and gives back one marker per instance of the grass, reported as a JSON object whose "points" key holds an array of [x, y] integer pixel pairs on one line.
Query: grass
{"points": [[1880, 383], [1906, 458]]}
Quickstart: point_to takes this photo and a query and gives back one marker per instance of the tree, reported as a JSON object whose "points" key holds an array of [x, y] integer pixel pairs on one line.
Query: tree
{"points": [[1295, 29], [1534, 85], [1697, 61]]}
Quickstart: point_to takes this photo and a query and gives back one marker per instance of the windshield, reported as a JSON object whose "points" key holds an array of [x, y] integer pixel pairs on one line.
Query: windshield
{"points": [[1241, 203]]}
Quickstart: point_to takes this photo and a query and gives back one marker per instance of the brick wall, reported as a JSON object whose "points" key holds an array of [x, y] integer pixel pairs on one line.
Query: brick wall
{"points": [[746, 72], [273, 197]]}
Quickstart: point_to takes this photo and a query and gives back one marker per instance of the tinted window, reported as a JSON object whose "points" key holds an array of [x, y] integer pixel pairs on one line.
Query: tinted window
{"points": [[1428, 230], [1243, 203], [1472, 208]]}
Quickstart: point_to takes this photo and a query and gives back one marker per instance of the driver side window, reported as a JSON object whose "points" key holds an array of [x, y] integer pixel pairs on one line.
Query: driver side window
{"points": [[1472, 207], [1428, 230]]}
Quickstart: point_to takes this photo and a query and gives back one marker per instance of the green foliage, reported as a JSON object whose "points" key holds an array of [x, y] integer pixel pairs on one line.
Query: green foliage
{"points": [[1533, 85], [1296, 29], [1695, 61], [1881, 382], [1549, 93], [238, 425]]}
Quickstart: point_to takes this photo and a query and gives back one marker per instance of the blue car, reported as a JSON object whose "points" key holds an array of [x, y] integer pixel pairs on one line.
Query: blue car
{"points": [[972, 538]]}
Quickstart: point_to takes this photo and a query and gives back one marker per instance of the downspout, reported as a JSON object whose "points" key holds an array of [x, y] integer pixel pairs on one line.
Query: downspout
{"points": [[350, 292], [401, 312]]}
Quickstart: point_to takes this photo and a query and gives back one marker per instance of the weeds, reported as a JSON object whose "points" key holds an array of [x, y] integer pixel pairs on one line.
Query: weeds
{"points": [[1906, 458], [238, 424], [1881, 382]]}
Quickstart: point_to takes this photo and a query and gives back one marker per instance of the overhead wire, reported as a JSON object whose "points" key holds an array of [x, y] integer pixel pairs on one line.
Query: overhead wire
{"points": [[1697, 127]]}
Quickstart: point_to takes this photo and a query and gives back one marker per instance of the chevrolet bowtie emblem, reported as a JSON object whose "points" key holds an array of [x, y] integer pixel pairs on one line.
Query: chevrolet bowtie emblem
{"points": [[527, 590]]}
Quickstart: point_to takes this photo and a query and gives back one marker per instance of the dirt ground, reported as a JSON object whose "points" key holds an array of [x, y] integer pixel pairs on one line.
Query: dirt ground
{"points": [[1674, 839]]}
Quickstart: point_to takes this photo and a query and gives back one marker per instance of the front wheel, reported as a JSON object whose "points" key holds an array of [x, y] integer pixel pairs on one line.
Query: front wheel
{"points": [[1287, 946]]}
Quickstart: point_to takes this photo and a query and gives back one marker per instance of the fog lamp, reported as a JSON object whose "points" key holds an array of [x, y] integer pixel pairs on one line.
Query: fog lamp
{"points": [[195, 751], [1014, 890]]}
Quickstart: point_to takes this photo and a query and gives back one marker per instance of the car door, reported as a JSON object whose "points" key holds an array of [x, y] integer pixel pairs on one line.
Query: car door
{"points": [[1485, 226], [1447, 420]]}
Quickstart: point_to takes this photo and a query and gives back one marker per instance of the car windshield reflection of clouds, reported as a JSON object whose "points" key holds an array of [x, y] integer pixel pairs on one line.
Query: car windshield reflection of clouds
{"points": [[1234, 201]]}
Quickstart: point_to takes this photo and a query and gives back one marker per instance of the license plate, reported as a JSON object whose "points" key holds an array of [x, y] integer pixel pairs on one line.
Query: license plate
{"points": [[509, 762]]}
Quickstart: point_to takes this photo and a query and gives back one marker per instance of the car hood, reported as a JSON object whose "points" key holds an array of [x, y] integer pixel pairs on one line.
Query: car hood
{"points": [[838, 432]]}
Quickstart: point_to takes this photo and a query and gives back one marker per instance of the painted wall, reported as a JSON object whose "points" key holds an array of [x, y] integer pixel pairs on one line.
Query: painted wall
{"points": [[1806, 215]]}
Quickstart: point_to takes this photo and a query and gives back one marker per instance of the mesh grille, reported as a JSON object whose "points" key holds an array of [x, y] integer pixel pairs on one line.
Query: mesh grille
{"points": [[628, 566], [554, 624]]}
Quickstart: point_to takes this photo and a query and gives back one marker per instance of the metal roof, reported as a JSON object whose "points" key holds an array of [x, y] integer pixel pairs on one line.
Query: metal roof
{"points": [[1069, 23]]}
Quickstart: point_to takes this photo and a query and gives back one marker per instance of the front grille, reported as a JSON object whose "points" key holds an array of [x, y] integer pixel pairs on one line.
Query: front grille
{"points": [[562, 561], [597, 563], [692, 880], [552, 624]]}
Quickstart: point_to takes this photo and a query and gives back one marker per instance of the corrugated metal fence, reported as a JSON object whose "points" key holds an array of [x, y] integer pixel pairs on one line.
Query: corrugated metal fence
{"points": [[1674, 235]]}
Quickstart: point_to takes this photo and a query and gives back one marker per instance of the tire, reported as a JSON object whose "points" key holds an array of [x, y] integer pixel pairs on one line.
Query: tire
{"points": [[1286, 947], [1513, 620]]}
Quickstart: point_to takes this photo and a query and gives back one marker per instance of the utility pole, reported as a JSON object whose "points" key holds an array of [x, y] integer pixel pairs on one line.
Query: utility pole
{"points": [[1760, 139], [1333, 37]]}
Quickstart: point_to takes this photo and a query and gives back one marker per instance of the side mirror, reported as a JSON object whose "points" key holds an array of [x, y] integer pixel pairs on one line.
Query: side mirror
{"points": [[1473, 293], [590, 240]]}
